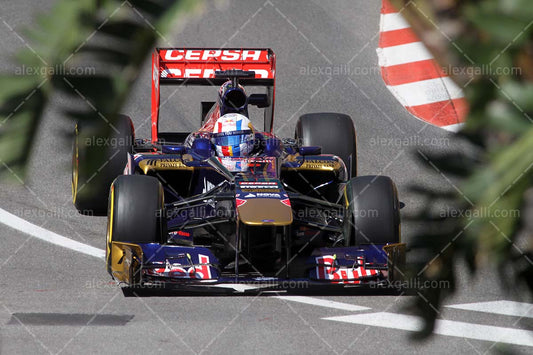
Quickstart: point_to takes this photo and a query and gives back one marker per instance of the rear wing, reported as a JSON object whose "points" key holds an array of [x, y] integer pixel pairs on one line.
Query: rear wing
{"points": [[197, 66]]}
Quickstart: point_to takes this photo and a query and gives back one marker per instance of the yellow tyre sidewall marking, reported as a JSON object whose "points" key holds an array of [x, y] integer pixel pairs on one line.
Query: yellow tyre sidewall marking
{"points": [[75, 169], [110, 223]]}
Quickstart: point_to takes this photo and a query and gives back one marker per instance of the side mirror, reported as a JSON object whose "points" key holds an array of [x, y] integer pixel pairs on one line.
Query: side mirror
{"points": [[173, 149], [310, 150], [259, 100], [201, 149]]}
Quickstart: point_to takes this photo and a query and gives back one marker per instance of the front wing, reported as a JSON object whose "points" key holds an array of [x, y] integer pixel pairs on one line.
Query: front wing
{"points": [[193, 267]]}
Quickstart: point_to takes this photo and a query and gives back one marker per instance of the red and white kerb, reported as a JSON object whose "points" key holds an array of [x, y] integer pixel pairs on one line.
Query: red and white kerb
{"points": [[414, 77]]}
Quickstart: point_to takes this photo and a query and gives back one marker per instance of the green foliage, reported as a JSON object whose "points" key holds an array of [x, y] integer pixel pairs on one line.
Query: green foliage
{"points": [[491, 182], [110, 39]]}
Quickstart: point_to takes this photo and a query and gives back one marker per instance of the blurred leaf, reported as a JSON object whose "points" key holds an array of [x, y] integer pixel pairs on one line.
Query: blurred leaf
{"points": [[507, 167], [20, 114], [504, 30], [124, 29], [78, 33], [519, 94], [507, 118], [518, 8]]}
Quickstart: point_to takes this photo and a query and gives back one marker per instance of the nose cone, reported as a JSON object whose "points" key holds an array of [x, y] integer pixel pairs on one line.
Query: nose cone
{"points": [[264, 211]]}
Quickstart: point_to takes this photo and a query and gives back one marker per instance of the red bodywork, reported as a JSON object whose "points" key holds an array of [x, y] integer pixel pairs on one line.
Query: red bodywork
{"points": [[197, 66]]}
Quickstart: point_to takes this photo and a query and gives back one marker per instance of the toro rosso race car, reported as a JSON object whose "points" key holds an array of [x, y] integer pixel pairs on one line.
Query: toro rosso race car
{"points": [[233, 204]]}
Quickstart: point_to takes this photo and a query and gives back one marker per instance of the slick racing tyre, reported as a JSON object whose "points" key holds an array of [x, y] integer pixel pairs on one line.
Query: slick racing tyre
{"points": [[135, 211], [375, 210], [334, 132], [97, 161]]}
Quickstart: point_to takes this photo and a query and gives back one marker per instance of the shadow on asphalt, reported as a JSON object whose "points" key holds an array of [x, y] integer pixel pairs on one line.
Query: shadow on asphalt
{"points": [[69, 319], [206, 291]]}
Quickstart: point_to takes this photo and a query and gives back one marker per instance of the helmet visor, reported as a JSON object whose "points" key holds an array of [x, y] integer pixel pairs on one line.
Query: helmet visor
{"points": [[233, 139]]}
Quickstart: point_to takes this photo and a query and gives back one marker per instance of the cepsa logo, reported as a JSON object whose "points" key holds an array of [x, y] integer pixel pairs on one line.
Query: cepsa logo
{"points": [[205, 72], [202, 63], [215, 55]]}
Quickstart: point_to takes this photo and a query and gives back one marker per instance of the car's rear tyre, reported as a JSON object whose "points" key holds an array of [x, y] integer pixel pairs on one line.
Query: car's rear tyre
{"points": [[97, 161], [374, 209], [334, 132], [135, 211]]}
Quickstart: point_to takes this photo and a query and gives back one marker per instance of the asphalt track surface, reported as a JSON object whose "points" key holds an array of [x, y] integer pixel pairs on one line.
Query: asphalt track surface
{"points": [[55, 300]]}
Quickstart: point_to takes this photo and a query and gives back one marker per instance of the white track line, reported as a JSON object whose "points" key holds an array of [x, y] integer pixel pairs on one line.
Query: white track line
{"points": [[403, 53], [324, 303], [393, 21], [442, 327], [24, 226], [508, 308]]}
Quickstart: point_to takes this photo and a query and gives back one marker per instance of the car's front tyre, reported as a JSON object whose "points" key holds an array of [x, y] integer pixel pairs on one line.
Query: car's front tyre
{"points": [[135, 212]]}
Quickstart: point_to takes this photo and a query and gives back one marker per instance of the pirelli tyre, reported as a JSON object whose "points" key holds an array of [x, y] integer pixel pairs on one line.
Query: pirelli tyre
{"points": [[374, 209], [334, 132], [135, 211], [97, 160]]}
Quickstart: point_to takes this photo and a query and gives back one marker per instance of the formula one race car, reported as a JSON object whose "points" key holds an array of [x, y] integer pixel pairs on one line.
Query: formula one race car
{"points": [[230, 204]]}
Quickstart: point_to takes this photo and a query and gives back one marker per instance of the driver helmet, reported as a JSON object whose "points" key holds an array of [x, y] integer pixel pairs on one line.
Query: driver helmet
{"points": [[232, 99], [233, 136]]}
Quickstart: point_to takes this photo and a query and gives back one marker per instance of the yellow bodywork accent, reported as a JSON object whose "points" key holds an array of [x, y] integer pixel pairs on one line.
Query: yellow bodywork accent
{"points": [[126, 260], [395, 251], [396, 246], [346, 200], [395, 260], [325, 165], [163, 164], [316, 165]]}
